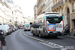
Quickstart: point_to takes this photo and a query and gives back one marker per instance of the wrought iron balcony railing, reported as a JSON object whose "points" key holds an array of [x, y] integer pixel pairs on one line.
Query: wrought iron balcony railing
{"points": [[60, 3], [69, 0]]}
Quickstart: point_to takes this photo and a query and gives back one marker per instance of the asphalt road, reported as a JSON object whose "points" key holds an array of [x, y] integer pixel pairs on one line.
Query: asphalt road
{"points": [[61, 40], [20, 40]]}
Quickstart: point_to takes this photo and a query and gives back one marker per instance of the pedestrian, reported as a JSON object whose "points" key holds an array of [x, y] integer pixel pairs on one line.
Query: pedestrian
{"points": [[66, 30]]}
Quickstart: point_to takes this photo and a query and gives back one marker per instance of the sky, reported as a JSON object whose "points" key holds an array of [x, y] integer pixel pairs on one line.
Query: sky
{"points": [[27, 6]]}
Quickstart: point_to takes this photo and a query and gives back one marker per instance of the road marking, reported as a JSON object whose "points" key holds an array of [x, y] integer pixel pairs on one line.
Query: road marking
{"points": [[49, 44], [34, 38], [52, 45]]}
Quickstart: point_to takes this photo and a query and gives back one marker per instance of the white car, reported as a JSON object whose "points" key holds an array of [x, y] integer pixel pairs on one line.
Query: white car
{"points": [[5, 28]]}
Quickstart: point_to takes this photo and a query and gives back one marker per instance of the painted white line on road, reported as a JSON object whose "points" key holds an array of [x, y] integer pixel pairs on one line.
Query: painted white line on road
{"points": [[33, 38], [52, 45], [49, 44]]}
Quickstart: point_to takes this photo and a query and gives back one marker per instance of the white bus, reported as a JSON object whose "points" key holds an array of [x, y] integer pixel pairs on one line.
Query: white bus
{"points": [[26, 27], [48, 24]]}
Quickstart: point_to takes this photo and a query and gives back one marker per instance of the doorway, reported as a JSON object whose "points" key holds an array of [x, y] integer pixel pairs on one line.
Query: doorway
{"points": [[68, 16]]}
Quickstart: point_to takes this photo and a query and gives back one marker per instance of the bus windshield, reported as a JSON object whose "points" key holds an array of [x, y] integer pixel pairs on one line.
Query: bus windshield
{"points": [[26, 25], [54, 19]]}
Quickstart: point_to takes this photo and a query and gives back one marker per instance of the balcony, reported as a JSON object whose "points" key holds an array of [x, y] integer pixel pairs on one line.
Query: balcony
{"points": [[60, 3], [69, 1]]}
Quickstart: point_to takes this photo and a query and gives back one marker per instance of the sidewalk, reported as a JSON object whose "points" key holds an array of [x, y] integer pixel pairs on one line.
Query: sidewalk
{"points": [[69, 36], [4, 48]]}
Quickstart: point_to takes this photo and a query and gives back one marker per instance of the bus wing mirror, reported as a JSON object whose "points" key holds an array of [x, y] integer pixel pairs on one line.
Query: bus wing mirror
{"points": [[30, 23]]}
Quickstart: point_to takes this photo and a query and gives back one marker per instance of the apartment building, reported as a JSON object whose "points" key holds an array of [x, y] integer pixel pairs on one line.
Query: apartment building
{"points": [[67, 9], [49, 4], [5, 13], [18, 15], [44, 6], [35, 12], [40, 7]]}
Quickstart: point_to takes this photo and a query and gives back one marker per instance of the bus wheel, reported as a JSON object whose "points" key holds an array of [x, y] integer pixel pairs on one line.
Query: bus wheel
{"points": [[32, 31], [55, 36], [40, 35], [33, 34]]}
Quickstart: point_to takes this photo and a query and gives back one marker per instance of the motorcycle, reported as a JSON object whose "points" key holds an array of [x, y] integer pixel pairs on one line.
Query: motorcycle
{"points": [[2, 38]]}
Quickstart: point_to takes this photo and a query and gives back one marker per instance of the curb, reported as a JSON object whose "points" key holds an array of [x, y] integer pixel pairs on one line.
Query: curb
{"points": [[70, 37], [34, 38]]}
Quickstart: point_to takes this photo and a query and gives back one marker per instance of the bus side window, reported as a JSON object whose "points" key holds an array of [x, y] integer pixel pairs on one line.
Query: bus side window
{"points": [[44, 22]]}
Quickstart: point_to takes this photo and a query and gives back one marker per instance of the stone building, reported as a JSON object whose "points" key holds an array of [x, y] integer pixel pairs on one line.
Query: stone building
{"points": [[35, 12], [5, 13], [48, 5], [40, 7], [67, 9]]}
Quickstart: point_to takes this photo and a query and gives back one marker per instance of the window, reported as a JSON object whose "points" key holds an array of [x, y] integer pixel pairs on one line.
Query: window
{"points": [[72, 7]]}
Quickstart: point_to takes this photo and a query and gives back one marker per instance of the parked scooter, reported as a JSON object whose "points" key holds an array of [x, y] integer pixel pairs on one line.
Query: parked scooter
{"points": [[66, 30], [2, 38]]}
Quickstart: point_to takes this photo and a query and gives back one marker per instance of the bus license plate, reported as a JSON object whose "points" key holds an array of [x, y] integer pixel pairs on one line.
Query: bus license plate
{"points": [[58, 26], [54, 32]]}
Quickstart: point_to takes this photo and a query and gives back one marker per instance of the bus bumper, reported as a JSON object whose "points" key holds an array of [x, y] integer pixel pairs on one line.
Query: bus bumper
{"points": [[54, 34]]}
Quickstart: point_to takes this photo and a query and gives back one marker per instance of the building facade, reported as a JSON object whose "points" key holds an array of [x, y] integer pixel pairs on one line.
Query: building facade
{"points": [[67, 9], [49, 4], [44, 6], [6, 13], [10, 13], [35, 12], [40, 7], [18, 17]]}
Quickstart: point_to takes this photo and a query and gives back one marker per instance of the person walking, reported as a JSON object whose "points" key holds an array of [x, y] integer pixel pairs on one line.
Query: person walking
{"points": [[67, 30]]}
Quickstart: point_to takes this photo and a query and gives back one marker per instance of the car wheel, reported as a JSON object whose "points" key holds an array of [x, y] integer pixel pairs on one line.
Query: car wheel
{"points": [[33, 34], [40, 35]]}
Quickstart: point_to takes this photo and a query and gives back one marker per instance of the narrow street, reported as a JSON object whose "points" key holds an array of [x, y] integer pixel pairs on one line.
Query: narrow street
{"points": [[59, 40], [18, 41], [51, 24]]}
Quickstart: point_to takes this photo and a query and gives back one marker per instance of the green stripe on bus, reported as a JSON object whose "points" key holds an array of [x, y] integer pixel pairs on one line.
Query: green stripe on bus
{"points": [[45, 17], [63, 17]]}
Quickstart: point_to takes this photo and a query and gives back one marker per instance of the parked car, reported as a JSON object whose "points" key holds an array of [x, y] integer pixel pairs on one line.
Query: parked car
{"points": [[5, 28], [16, 28], [10, 30], [13, 29]]}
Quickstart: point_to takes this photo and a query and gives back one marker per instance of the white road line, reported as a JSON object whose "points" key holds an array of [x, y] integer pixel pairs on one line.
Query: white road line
{"points": [[52, 45], [33, 38], [46, 43]]}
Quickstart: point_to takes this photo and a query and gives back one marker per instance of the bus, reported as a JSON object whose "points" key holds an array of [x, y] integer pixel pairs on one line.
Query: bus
{"points": [[26, 27], [48, 24]]}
